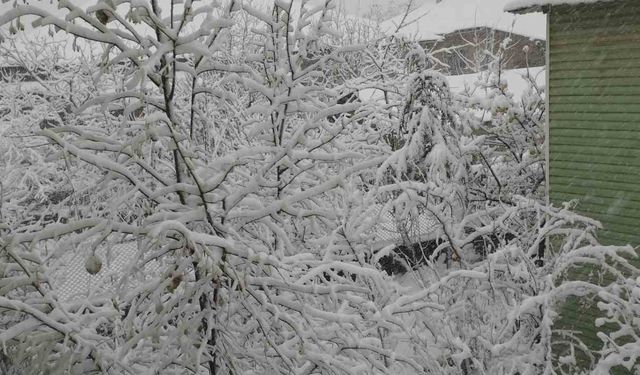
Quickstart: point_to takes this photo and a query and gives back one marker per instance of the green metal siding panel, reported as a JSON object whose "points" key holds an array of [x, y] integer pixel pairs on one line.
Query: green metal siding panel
{"points": [[598, 168], [590, 82], [596, 73], [594, 106], [608, 102], [606, 127], [594, 128], [610, 143], [599, 91], [613, 65], [585, 54]]}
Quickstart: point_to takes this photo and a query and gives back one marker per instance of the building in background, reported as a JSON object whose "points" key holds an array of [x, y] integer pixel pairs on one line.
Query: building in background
{"points": [[471, 50], [465, 35]]}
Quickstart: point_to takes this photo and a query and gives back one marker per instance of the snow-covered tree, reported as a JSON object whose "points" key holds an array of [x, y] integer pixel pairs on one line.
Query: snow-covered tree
{"points": [[234, 168], [475, 165], [228, 142]]}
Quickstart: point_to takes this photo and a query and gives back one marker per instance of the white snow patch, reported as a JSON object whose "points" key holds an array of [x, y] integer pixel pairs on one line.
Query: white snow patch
{"points": [[515, 80]]}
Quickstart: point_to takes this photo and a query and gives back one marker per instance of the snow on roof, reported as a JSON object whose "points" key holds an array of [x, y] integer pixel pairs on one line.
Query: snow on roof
{"points": [[436, 18], [74, 282], [525, 6], [421, 227]]}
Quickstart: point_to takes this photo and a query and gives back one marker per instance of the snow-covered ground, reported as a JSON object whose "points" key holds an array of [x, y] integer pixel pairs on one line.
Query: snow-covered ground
{"points": [[515, 79]]}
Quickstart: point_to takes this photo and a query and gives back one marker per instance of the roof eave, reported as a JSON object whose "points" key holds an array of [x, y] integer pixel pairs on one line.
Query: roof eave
{"points": [[529, 9]]}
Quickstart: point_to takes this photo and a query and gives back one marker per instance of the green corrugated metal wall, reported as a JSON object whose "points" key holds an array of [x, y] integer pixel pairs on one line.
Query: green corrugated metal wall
{"points": [[594, 124], [594, 111]]}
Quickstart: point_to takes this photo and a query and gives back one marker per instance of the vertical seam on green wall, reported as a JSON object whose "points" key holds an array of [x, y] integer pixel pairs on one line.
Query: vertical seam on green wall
{"points": [[547, 128]]}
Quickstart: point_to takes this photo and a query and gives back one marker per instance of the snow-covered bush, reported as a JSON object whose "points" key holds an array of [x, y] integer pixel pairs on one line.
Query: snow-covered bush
{"points": [[621, 345], [215, 136], [235, 170], [475, 163]]}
